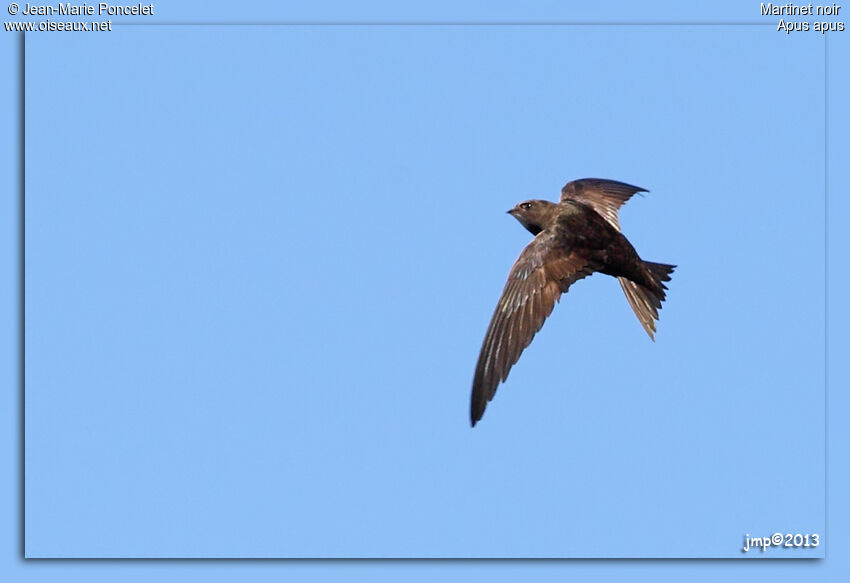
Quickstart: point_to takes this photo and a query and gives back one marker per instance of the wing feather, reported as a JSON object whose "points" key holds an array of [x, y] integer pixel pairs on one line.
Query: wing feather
{"points": [[604, 196], [536, 281]]}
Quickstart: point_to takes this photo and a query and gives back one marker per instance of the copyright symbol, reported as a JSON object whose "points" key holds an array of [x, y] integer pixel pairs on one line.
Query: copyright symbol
{"points": [[776, 539], [13, 9]]}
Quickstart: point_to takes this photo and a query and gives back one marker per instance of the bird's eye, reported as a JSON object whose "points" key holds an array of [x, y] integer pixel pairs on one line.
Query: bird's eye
{"points": [[526, 205]]}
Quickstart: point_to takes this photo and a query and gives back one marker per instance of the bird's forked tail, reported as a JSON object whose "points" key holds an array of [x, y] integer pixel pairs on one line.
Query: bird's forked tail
{"points": [[644, 300]]}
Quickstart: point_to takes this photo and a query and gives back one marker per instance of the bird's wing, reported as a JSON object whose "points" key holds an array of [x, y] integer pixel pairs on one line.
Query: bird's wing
{"points": [[605, 196], [540, 275]]}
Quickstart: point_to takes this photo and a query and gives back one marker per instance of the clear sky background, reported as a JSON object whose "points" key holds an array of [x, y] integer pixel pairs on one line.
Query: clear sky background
{"points": [[261, 260]]}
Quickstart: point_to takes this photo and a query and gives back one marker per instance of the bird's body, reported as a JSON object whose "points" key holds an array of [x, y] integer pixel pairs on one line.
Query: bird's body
{"points": [[574, 238]]}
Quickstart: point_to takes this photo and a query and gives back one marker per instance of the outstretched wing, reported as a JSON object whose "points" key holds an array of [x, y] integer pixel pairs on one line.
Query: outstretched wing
{"points": [[540, 275], [604, 196]]}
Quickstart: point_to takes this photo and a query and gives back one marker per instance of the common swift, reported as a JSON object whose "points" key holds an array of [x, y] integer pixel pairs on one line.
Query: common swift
{"points": [[573, 238]]}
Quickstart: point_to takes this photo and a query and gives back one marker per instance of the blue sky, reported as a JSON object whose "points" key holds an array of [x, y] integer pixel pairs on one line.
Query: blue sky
{"points": [[261, 259]]}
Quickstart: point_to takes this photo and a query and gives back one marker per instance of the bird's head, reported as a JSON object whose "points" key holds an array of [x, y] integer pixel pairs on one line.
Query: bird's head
{"points": [[534, 215]]}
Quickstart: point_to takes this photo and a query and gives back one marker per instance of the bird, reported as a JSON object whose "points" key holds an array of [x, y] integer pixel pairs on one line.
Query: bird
{"points": [[573, 238]]}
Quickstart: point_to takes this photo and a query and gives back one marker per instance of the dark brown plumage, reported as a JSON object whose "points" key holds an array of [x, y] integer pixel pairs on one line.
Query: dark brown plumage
{"points": [[574, 238]]}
